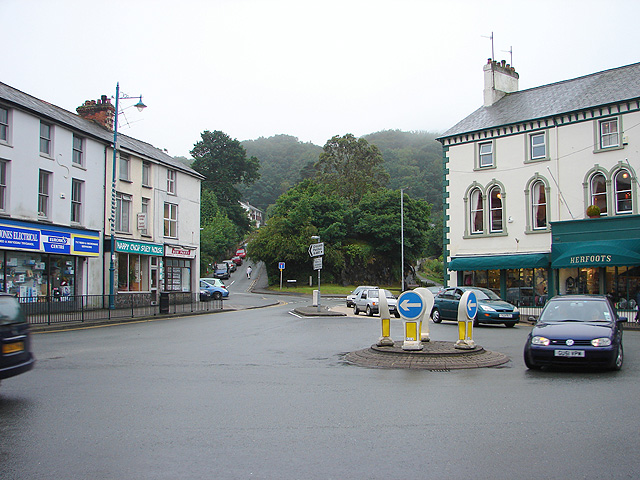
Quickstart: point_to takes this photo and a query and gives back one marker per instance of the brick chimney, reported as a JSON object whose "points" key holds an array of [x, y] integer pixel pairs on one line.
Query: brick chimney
{"points": [[500, 78], [100, 111]]}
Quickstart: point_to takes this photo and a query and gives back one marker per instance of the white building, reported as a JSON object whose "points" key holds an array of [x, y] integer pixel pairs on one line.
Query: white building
{"points": [[520, 173]]}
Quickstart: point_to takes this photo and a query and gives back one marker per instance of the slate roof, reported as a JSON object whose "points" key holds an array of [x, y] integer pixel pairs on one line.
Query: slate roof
{"points": [[58, 115], [598, 89]]}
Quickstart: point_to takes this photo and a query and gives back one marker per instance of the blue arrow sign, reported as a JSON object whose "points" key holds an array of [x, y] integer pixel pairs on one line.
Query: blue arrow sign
{"points": [[472, 305], [410, 305]]}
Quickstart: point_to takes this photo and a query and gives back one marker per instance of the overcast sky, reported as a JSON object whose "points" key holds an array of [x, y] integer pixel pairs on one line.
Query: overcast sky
{"points": [[311, 69]]}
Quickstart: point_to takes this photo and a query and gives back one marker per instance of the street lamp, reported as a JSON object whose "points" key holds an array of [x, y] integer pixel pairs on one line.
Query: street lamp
{"points": [[112, 222]]}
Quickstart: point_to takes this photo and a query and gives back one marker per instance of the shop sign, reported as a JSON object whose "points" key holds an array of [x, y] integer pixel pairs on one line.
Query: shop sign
{"points": [[50, 241], [126, 246], [179, 252], [590, 259]]}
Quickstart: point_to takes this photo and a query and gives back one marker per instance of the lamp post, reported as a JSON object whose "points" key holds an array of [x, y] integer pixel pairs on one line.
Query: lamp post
{"points": [[112, 221], [402, 239]]}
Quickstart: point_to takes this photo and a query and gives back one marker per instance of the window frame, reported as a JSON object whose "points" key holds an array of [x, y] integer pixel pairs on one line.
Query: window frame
{"points": [[123, 200], [5, 125], [171, 181], [77, 152], [595, 197], [124, 174], [146, 174], [77, 191], [628, 192], [44, 196], [531, 147], [476, 214], [609, 135], [482, 155], [494, 209], [46, 140], [536, 204], [170, 216], [144, 208]]}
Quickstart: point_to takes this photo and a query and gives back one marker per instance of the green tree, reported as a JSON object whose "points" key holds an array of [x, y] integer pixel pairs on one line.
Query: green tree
{"points": [[351, 167], [218, 235], [223, 162]]}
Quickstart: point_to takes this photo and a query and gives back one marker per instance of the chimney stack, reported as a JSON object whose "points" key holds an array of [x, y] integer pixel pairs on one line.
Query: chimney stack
{"points": [[500, 78], [100, 111]]}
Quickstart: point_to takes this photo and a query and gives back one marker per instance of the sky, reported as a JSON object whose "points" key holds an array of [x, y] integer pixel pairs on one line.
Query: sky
{"points": [[310, 69]]}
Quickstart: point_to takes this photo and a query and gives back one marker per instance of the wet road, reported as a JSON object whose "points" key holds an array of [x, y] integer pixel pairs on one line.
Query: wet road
{"points": [[264, 394]]}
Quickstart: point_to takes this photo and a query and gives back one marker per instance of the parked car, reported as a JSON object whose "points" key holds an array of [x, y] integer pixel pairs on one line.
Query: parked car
{"points": [[221, 271], [232, 266], [491, 308], [15, 340], [216, 282], [241, 252], [576, 330], [436, 289], [237, 260], [209, 291], [368, 301], [352, 296]]}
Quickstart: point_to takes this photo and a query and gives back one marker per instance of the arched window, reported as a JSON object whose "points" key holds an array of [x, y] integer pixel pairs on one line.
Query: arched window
{"points": [[623, 191], [495, 207], [599, 192], [477, 208], [539, 205]]}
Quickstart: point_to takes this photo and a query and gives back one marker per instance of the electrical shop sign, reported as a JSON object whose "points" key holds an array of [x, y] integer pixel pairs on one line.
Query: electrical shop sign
{"points": [[22, 236]]}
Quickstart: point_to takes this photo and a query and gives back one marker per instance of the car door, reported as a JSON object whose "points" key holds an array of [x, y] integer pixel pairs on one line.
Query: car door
{"points": [[449, 304]]}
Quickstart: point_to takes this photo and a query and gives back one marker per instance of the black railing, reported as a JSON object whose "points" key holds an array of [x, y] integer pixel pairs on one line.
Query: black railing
{"points": [[87, 308]]}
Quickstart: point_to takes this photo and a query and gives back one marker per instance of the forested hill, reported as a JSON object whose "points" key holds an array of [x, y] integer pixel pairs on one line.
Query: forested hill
{"points": [[413, 160]]}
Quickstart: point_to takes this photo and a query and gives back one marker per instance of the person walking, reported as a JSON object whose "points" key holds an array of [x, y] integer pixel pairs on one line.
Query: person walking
{"points": [[249, 271], [638, 305]]}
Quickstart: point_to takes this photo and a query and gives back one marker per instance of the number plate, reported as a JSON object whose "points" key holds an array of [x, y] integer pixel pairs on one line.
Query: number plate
{"points": [[506, 315], [9, 348], [569, 353]]}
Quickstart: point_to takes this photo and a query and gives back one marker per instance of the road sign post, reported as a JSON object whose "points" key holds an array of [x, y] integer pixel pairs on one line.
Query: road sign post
{"points": [[411, 307], [467, 311], [281, 267], [317, 250]]}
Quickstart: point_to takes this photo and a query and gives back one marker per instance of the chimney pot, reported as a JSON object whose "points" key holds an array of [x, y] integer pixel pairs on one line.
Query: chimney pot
{"points": [[101, 112]]}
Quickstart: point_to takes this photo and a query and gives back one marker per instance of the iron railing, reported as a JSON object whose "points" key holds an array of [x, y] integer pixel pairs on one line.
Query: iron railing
{"points": [[87, 308]]}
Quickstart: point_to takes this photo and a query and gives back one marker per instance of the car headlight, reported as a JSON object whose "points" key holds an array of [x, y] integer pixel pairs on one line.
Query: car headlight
{"points": [[515, 309], [487, 308], [601, 342], [537, 340]]}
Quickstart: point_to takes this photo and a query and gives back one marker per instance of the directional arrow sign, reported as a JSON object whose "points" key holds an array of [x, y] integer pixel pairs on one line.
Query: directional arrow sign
{"points": [[316, 249], [472, 305], [410, 305]]}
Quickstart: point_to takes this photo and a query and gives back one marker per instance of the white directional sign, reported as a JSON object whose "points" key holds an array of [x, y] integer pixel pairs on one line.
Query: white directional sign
{"points": [[317, 263], [410, 305], [316, 249], [472, 305]]}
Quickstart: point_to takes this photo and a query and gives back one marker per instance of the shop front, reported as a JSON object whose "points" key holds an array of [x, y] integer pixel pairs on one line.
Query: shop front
{"points": [[138, 269], [179, 268], [39, 262]]}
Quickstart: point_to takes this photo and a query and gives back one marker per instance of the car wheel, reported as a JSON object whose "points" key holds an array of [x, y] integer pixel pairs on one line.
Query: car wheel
{"points": [[396, 314], [355, 310], [529, 363], [435, 316], [619, 358], [217, 295], [476, 323], [369, 312], [509, 324]]}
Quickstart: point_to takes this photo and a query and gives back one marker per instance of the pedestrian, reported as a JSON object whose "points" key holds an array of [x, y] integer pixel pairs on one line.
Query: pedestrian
{"points": [[638, 305], [249, 271]]}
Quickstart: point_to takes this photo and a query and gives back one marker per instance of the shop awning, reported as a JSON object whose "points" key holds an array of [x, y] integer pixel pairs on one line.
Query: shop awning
{"points": [[499, 262], [600, 253]]}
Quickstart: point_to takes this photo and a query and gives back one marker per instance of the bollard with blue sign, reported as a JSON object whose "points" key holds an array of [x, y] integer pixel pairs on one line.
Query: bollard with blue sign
{"points": [[411, 307], [467, 311], [385, 318], [427, 296]]}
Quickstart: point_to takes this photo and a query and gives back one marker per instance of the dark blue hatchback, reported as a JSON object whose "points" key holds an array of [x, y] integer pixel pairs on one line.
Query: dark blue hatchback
{"points": [[15, 342], [576, 330]]}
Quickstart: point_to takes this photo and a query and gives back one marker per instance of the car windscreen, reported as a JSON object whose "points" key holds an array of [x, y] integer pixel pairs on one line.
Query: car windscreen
{"points": [[10, 311], [485, 294], [576, 311]]}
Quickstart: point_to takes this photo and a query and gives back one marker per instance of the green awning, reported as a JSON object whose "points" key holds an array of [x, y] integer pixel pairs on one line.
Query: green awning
{"points": [[500, 262], [600, 253]]}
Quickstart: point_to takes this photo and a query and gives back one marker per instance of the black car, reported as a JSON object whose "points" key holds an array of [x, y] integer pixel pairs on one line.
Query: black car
{"points": [[15, 341], [576, 330], [491, 308]]}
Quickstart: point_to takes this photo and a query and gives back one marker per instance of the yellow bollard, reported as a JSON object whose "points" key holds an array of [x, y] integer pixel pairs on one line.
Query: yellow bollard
{"points": [[385, 318]]}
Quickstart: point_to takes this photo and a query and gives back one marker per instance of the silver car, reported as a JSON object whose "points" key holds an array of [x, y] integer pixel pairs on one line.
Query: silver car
{"points": [[352, 296], [368, 301]]}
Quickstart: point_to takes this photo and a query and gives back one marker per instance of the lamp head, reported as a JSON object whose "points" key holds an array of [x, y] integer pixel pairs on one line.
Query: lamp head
{"points": [[140, 106]]}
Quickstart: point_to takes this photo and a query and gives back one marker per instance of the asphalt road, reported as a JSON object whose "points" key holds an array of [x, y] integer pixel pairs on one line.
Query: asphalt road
{"points": [[264, 394]]}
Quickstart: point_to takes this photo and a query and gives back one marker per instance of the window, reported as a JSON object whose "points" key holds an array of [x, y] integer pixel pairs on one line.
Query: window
{"points": [[477, 207], [3, 186], [78, 154], [495, 207], [599, 192], [178, 275], [123, 212], [76, 200], [45, 138], [43, 193], [609, 133], [171, 181], [124, 167], [146, 174], [170, 220], [539, 206], [486, 155], [133, 272], [538, 146], [4, 125], [145, 211], [623, 192]]}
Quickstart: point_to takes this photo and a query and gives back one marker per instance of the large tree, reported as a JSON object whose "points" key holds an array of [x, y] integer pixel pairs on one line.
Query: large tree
{"points": [[351, 167], [224, 163]]}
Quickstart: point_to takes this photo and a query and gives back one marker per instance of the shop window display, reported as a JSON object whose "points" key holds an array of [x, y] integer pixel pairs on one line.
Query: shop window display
{"points": [[36, 275], [133, 273]]}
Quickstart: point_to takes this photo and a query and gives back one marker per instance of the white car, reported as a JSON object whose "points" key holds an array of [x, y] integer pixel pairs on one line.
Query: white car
{"points": [[216, 282], [352, 296], [368, 301]]}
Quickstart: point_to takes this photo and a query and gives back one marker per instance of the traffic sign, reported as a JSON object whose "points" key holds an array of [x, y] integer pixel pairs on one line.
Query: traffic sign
{"points": [[281, 265], [410, 305], [472, 305], [316, 249], [317, 263]]}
